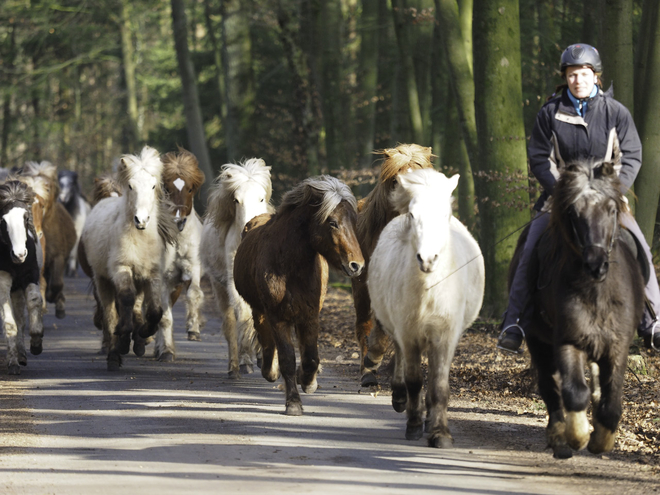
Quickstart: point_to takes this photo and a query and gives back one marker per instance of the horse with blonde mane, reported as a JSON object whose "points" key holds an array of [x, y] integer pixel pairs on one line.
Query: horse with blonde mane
{"points": [[182, 179], [240, 192], [281, 270], [125, 239], [426, 282], [374, 213]]}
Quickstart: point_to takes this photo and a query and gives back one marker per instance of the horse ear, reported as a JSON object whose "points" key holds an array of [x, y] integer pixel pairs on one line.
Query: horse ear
{"points": [[453, 182]]}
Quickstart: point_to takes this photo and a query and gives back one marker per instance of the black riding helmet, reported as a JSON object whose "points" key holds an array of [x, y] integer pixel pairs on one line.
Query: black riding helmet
{"points": [[581, 54]]}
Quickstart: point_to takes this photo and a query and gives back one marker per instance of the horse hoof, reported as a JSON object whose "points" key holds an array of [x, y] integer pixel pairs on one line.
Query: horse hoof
{"points": [[124, 343], [311, 388], [369, 364], [414, 432], [166, 357], [562, 452], [602, 439], [441, 441], [60, 313], [195, 336], [14, 369], [294, 409], [577, 430], [234, 374], [22, 360], [399, 405], [147, 330], [369, 380], [36, 349], [114, 362], [139, 348], [246, 369]]}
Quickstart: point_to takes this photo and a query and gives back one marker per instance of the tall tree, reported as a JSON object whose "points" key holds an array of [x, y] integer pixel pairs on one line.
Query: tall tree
{"points": [[616, 50], [502, 141], [130, 81], [194, 124], [647, 185]]}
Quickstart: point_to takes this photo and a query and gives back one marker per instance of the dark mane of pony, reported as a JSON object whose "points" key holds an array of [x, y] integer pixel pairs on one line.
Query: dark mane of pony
{"points": [[375, 209], [182, 164], [324, 192], [13, 192]]}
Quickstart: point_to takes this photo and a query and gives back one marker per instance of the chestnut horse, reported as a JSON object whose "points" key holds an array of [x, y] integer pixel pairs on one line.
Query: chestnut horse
{"points": [[281, 270], [182, 179], [374, 212]]}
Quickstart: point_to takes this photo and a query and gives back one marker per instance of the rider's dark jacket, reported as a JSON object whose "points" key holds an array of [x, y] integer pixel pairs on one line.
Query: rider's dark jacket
{"points": [[560, 136]]}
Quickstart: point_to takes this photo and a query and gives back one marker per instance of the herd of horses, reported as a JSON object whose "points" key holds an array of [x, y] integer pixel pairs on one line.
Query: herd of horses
{"points": [[417, 275]]}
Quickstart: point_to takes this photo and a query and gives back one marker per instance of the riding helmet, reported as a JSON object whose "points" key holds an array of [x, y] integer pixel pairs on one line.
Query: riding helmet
{"points": [[581, 54]]}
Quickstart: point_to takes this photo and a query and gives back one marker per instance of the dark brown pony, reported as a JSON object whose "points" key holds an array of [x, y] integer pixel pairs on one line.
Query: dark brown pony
{"points": [[59, 231], [376, 211], [182, 179], [588, 301], [281, 270]]}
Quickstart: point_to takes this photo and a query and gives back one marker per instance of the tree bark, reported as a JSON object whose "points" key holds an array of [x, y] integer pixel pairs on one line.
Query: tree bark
{"points": [[128, 63], [9, 55], [616, 51], [192, 110], [217, 58], [647, 185], [505, 202], [368, 82]]}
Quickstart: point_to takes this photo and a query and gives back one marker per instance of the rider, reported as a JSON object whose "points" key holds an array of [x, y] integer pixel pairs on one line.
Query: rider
{"points": [[576, 125]]}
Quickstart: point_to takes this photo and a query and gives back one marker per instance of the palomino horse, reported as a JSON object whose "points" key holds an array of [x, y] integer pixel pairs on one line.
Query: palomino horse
{"points": [[588, 301], [124, 239], [182, 179], [19, 274], [374, 212], [281, 270], [78, 208], [240, 193], [59, 231], [426, 281]]}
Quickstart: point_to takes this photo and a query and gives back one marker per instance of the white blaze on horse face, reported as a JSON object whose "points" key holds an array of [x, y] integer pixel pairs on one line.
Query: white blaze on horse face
{"points": [[250, 200], [142, 198], [179, 183], [15, 220]]}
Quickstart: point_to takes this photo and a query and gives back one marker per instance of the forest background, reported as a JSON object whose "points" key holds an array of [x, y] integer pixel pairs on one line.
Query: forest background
{"points": [[315, 86]]}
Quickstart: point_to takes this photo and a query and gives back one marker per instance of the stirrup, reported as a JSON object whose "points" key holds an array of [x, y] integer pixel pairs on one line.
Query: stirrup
{"points": [[521, 348], [654, 330]]}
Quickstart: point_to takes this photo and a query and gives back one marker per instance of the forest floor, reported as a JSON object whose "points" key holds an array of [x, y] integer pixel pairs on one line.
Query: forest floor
{"points": [[500, 381]]}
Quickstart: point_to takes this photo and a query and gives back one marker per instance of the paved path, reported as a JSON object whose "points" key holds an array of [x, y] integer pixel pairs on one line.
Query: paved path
{"points": [[70, 427]]}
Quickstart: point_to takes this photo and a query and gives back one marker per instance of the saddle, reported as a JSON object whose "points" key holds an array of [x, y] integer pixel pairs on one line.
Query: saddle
{"points": [[540, 272]]}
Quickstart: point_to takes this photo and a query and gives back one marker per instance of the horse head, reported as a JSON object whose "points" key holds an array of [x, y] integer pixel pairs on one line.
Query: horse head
{"points": [[586, 206], [68, 182], [333, 211], [16, 199], [105, 186], [42, 178], [182, 179], [140, 178], [425, 197], [240, 193]]}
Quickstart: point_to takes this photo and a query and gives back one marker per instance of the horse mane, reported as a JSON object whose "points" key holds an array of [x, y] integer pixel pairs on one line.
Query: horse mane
{"points": [[323, 192], [104, 187], [220, 208], [44, 168], [15, 191], [182, 164], [43, 174], [375, 209]]}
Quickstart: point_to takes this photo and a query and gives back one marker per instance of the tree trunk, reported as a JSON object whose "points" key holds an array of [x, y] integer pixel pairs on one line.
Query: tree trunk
{"points": [[128, 62], [647, 185], [9, 56], [194, 124], [368, 80], [616, 51], [501, 132], [217, 58]]}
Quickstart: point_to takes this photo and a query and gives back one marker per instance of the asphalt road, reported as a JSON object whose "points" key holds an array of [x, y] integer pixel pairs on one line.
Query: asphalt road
{"points": [[68, 426]]}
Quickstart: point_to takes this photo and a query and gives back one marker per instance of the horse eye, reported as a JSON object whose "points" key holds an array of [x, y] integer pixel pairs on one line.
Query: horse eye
{"points": [[261, 200], [130, 187], [236, 200], [333, 224], [154, 186], [190, 190]]}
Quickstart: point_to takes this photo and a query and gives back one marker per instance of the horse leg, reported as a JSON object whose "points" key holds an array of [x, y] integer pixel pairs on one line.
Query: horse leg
{"points": [[35, 318], [287, 361], [378, 342], [398, 385], [57, 283], [308, 333], [270, 368], [221, 294], [607, 407], [106, 293], [194, 301], [125, 301], [440, 355], [154, 312], [575, 395], [363, 319], [7, 316], [248, 346], [543, 359], [414, 379], [165, 350], [18, 307]]}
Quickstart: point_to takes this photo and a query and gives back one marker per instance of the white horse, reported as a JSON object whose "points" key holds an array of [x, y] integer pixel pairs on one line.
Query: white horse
{"points": [[182, 179], [19, 274], [240, 193], [426, 282], [124, 239]]}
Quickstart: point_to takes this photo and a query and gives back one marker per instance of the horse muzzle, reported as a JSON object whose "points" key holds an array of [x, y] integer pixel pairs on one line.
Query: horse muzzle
{"points": [[19, 258], [596, 262], [427, 264], [353, 268], [141, 224], [180, 223]]}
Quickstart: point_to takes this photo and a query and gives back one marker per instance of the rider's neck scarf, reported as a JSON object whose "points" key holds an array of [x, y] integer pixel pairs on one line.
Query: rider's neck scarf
{"points": [[581, 104]]}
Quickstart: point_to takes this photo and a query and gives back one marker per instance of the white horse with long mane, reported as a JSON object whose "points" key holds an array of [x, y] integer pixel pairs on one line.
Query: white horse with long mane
{"points": [[426, 282], [240, 193], [125, 239]]}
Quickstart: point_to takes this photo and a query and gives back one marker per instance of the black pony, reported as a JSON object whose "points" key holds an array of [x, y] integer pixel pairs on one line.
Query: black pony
{"points": [[78, 207], [588, 301]]}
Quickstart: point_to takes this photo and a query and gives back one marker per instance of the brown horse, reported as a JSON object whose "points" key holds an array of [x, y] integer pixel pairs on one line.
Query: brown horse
{"points": [[376, 211], [281, 270], [59, 231]]}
